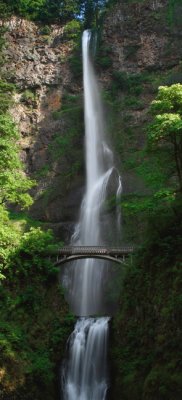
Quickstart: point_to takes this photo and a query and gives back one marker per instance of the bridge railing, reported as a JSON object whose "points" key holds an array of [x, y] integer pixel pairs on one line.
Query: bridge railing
{"points": [[74, 250]]}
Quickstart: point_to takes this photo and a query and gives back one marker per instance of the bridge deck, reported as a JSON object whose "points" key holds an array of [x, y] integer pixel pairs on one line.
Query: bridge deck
{"points": [[100, 250]]}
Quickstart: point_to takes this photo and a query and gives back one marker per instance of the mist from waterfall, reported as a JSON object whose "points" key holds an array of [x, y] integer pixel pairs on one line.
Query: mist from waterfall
{"points": [[85, 375]]}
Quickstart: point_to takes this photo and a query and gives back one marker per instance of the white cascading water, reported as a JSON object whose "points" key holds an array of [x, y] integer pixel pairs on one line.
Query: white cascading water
{"points": [[85, 375]]}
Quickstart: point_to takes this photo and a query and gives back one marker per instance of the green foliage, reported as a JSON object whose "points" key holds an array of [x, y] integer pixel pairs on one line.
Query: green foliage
{"points": [[23, 8], [5, 8], [166, 130], [147, 328], [63, 144], [72, 29], [33, 335], [65, 148], [23, 251], [35, 322], [165, 126], [13, 182], [169, 99], [54, 10], [124, 81], [47, 11], [91, 12], [146, 331], [76, 65], [50, 11], [173, 13], [44, 171], [28, 281], [103, 58], [75, 62], [9, 238], [6, 91], [60, 146], [158, 164], [29, 255], [133, 102], [28, 97], [19, 253], [155, 168], [174, 77], [45, 30]]}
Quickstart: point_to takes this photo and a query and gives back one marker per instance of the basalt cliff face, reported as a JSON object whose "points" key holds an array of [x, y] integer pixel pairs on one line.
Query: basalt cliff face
{"points": [[142, 36], [36, 60], [140, 50], [137, 38]]}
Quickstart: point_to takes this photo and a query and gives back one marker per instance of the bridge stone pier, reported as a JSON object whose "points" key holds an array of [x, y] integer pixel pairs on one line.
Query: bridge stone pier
{"points": [[115, 254]]}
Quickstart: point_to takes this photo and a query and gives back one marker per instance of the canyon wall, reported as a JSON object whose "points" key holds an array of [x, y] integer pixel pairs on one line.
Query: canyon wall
{"points": [[37, 62], [139, 49]]}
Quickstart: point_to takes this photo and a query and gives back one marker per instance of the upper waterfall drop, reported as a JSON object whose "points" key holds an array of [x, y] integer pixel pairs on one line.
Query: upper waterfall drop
{"points": [[84, 279], [94, 127]]}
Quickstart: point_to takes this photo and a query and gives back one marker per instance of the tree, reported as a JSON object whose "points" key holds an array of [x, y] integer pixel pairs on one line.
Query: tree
{"points": [[50, 11], [166, 129], [91, 12], [43, 10], [25, 8], [159, 164]]}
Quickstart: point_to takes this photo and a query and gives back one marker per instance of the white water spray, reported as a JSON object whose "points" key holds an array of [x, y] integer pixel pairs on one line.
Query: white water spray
{"points": [[86, 372], [85, 377]]}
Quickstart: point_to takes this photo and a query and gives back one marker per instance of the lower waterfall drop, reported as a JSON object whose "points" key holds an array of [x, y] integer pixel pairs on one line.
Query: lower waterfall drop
{"points": [[85, 374]]}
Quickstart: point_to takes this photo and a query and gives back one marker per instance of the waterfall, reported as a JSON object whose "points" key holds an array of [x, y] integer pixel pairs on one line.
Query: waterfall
{"points": [[86, 371], [85, 375]]}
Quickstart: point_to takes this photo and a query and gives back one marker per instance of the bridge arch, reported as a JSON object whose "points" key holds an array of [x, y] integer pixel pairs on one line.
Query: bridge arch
{"points": [[117, 255], [67, 259]]}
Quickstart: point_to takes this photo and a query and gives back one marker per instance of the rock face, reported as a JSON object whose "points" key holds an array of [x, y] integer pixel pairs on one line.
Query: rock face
{"points": [[35, 54], [141, 50], [37, 62], [143, 41], [139, 38]]}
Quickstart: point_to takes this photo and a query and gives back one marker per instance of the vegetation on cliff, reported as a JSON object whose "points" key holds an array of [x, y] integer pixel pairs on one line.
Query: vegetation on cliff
{"points": [[48, 11], [146, 344], [167, 126], [35, 321], [147, 328]]}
